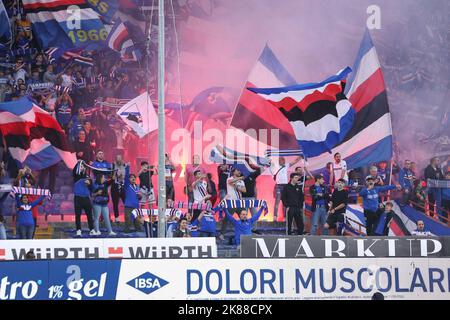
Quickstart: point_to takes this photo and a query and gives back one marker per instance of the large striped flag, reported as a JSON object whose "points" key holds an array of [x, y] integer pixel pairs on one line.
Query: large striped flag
{"points": [[33, 137], [255, 112], [65, 23], [319, 113], [370, 139]]}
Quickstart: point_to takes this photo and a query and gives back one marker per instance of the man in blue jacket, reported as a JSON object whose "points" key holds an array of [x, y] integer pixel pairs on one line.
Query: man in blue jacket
{"points": [[370, 196], [102, 164], [406, 179], [243, 226], [132, 197], [82, 201]]}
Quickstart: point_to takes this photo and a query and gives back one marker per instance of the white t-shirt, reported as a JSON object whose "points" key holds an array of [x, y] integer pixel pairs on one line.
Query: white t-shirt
{"points": [[232, 191], [421, 233], [20, 74], [282, 175], [200, 191], [338, 168], [66, 81]]}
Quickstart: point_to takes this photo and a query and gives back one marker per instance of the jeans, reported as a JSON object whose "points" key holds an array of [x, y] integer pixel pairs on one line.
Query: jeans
{"points": [[104, 211], [277, 195], [26, 232], [319, 216], [2, 231]]}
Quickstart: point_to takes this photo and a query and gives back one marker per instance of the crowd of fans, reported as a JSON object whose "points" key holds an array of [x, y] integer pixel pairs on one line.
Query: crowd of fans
{"points": [[100, 182]]}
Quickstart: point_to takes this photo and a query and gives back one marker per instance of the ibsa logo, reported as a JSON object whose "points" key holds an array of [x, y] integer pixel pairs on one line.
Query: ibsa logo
{"points": [[18, 290], [147, 283]]}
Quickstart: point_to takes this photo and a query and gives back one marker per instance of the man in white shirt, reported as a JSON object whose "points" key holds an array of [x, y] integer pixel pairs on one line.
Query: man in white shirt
{"points": [[200, 191], [280, 174], [200, 187], [67, 79], [420, 231], [235, 187], [339, 168]]}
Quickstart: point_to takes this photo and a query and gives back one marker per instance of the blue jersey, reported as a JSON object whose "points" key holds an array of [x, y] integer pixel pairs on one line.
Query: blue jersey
{"points": [[404, 178], [370, 197], [101, 165], [80, 189], [243, 227], [208, 223], [24, 214], [103, 198], [193, 228], [131, 191]]}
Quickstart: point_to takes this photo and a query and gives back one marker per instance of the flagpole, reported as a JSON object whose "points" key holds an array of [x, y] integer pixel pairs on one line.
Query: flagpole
{"points": [[390, 177], [161, 126]]}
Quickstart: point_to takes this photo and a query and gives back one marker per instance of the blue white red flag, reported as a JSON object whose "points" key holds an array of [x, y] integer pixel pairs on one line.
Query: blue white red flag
{"points": [[320, 114], [65, 23], [370, 138], [120, 40], [255, 112], [33, 137]]}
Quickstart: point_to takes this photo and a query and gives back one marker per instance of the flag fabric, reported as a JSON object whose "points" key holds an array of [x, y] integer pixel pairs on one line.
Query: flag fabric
{"points": [[370, 139], [31, 191], [118, 37], [120, 40], [211, 103], [234, 204], [54, 54], [396, 227], [355, 219], [56, 24], [320, 114], [139, 114], [244, 162], [283, 153], [33, 137], [410, 216], [254, 112], [105, 8], [5, 27]]}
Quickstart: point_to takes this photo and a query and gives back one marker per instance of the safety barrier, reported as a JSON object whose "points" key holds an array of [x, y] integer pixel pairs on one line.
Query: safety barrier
{"points": [[195, 279]]}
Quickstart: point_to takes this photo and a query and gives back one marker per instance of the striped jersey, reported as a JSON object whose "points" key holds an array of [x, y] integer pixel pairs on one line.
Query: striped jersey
{"points": [[200, 191]]}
